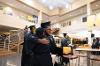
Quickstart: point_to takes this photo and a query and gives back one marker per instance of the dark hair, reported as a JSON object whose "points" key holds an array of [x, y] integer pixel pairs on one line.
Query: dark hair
{"points": [[64, 34], [31, 27], [97, 39], [39, 32], [92, 35], [94, 40]]}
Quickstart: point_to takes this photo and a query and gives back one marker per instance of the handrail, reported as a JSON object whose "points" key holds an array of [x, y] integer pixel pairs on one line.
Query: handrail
{"points": [[13, 40]]}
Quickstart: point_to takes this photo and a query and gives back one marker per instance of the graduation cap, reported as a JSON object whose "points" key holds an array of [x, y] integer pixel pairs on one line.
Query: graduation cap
{"points": [[46, 24]]}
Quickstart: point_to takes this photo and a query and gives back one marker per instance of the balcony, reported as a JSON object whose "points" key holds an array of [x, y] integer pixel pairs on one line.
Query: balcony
{"points": [[13, 21]]}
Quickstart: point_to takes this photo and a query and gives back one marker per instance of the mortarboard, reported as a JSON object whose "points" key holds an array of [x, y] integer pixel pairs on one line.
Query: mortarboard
{"points": [[46, 24]]}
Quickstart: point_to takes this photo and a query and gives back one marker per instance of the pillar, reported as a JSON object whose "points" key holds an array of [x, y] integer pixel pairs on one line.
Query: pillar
{"points": [[89, 11], [39, 19]]}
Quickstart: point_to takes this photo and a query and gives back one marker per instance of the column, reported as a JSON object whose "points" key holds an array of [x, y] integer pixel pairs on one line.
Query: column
{"points": [[39, 19], [90, 26], [89, 37], [89, 11]]}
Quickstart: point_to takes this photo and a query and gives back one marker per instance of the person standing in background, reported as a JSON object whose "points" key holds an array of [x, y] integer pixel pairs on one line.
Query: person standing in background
{"points": [[66, 40], [25, 29], [52, 48], [27, 47], [65, 43], [42, 53], [96, 45]]}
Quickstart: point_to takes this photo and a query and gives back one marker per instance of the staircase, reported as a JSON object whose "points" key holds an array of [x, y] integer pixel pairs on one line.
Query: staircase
{"points": [[4, 53], [1, 45], [12, 43]]}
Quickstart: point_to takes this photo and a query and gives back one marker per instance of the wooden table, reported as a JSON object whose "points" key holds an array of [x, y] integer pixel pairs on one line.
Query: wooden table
{"points": [[88, 51]]}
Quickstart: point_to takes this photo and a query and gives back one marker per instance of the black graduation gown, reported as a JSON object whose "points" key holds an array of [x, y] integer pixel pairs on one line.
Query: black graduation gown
{"points": [[27, 53], [42, 55], [41, 52]]}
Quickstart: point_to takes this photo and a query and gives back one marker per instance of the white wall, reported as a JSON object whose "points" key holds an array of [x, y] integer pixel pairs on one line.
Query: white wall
{"points": [[13, 21], [76, 25], [23, 15]]}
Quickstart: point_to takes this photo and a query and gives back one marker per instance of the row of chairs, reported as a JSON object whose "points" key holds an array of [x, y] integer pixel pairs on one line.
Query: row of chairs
{"points": [[69, 53]]}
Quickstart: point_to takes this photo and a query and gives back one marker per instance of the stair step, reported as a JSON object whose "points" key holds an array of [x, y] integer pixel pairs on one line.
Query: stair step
{"points": [[1, 49], [4, 53], [1, 44]]}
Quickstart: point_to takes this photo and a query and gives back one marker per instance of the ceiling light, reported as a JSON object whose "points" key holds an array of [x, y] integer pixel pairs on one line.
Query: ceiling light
{"points": [[67, 5], [43, 1], [50, 7], [97, 5], [51, 4]]}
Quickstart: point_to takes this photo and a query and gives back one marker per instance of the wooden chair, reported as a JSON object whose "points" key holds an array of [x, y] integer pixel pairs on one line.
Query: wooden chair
{"points": [[68, 53], [94, 58]]}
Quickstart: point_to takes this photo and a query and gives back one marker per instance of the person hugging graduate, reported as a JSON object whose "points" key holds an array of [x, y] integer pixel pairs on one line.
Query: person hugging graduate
{"points": [[42, 53]]}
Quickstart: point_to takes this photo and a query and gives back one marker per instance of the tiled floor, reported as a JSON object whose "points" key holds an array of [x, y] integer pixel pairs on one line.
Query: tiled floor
{"points": [[15, 60]]}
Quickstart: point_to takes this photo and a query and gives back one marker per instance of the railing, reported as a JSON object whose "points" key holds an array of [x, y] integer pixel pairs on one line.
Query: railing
{"points": [[2, 42], [14, 40]]}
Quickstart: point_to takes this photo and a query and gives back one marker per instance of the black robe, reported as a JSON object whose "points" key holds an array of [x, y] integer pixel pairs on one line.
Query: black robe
{"points": [[27, 53], [42, 52]]}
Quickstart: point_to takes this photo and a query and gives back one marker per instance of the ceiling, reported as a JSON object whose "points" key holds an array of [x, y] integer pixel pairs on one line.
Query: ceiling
{"points": [[18, 4], [54, 4], [95, 7]]}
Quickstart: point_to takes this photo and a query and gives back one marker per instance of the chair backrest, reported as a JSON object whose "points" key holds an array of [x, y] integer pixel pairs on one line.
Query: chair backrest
{"points": [[81, 46], [87, 46], [67, 50]]}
